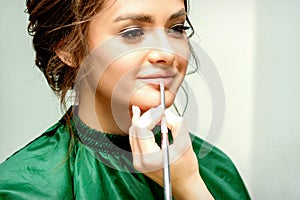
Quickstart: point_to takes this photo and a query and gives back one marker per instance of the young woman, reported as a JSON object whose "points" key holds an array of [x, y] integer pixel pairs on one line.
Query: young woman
{"points": [[114, 55]]}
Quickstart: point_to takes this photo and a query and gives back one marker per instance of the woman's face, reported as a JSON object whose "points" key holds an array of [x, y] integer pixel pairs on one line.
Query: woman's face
{"points": [[140, 43]]}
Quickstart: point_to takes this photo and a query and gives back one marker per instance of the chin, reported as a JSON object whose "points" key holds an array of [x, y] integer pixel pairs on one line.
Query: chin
{"points": [[146, 103]]}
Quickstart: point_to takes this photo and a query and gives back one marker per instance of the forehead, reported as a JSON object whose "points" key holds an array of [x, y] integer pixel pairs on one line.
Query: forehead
{"points": [[157, 8]]}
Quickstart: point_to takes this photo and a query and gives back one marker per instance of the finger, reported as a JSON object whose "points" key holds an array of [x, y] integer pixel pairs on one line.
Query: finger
{"points": [[136, 113], [181, 138], [146, 153], [132, 140], [174, 122], [149, 119], [142, 139], [135, 149]]}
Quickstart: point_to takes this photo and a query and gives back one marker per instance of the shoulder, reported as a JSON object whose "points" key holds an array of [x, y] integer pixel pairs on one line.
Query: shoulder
{"points": [[218, 171], [36, 170]]}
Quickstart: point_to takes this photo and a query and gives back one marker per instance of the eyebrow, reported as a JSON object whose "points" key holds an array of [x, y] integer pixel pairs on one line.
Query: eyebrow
{"points": [[178, 14], [135, 17], [147, 18]]}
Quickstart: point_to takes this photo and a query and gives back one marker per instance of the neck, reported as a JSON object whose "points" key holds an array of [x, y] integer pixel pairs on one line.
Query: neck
{"points": [[97, 113]]}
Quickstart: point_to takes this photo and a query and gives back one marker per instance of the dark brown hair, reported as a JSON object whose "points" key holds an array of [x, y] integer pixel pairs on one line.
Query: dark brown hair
{"points": [[62, 25]]}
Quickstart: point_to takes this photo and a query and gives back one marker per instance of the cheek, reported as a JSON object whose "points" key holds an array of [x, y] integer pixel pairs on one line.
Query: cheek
{"points": [[117, 81], [182, 66]]}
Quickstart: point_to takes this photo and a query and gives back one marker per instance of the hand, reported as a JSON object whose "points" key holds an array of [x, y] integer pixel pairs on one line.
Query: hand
{"points": [[147, 155]]}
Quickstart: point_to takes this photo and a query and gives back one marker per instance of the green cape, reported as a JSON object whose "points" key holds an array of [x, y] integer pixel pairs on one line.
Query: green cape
{"points": [[95, 169]]}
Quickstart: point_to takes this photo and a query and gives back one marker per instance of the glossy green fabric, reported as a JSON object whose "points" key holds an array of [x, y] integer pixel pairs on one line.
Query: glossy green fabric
{"points": [[47, 169]]}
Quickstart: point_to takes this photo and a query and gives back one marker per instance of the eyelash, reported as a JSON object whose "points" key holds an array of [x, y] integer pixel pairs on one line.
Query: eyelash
{"points": [[132, 33], [136, 33], [179, 28]]}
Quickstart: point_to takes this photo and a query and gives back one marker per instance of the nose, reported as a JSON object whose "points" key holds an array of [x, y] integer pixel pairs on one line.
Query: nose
{"points": [[161, 56], [161, 51]]}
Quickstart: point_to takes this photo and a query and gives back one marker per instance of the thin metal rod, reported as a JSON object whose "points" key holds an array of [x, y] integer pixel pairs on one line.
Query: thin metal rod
{"points": [[165, 148]]}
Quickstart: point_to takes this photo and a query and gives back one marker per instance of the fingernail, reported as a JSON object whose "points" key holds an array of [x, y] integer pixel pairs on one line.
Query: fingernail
{"points": [[134, 108]]}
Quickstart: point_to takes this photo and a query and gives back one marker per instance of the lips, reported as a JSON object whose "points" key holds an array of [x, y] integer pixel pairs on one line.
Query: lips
{"points": [[165, 76]]}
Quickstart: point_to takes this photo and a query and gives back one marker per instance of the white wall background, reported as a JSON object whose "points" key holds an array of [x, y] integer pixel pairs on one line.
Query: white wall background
{"points": [[227, 33], [255, 46], [27, 105]]}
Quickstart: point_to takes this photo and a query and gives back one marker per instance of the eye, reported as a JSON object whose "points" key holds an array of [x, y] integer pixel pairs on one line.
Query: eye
{"points": [[179, 29], [132, 34]]}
